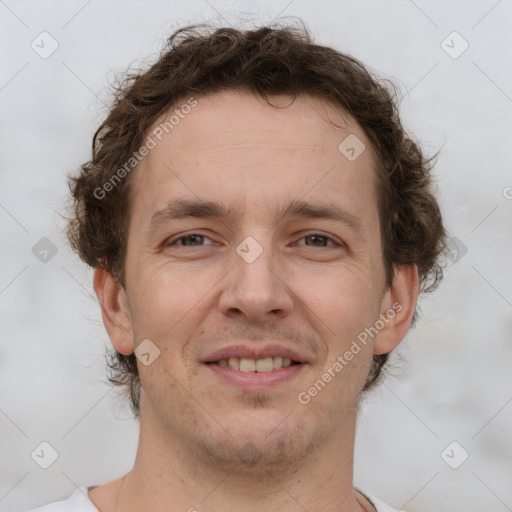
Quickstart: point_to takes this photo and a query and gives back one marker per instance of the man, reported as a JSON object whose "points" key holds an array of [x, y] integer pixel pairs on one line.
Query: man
{"points": [[260, 227]]}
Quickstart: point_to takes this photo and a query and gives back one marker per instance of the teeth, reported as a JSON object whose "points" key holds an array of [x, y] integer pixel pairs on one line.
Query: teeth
{"points": [[260, 365], [264, 365], [247, 365]]}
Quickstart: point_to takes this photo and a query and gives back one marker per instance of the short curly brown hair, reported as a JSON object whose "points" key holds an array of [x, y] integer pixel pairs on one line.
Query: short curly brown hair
{"points": [[267, 61]]}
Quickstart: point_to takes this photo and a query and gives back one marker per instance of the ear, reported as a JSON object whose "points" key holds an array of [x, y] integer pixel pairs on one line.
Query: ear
{"points": [[397, 308], [114, 310]]}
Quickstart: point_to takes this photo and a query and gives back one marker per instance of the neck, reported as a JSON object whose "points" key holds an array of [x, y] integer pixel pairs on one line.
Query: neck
{"points": [[166, 474]]}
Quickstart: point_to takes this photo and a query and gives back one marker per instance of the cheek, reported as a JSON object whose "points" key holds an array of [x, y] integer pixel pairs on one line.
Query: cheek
{"points": [[170, 303], [345, 298], [158, 302], [170, 290], [347, 306]]}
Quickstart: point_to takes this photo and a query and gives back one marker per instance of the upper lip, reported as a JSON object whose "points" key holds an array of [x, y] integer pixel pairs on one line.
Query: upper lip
{"points": [[251, 352]]}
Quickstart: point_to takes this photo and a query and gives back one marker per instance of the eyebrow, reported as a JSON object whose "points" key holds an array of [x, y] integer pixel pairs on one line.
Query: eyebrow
{"points": [[192, 208]]}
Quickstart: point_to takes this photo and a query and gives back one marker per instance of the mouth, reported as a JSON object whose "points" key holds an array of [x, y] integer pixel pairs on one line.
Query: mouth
{"points": [[267, 364], [255, 374]]}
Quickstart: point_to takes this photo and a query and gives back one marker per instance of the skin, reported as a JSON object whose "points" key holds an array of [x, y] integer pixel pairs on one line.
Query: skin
{"points": [[302, 292]]}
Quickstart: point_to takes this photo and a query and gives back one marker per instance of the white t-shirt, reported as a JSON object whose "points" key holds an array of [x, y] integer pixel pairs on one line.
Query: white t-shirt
{"points": [[79, 502]]}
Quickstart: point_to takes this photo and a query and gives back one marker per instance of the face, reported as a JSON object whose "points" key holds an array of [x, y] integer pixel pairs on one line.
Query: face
{"points": [[259, 284]]}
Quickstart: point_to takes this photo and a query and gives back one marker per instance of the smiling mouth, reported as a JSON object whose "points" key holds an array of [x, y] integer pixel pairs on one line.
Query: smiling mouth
{"points": [[267, 364]]}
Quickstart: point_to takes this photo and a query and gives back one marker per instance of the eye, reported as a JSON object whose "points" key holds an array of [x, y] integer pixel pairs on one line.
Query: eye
{"points": [[319, 240], [192, 237], [321, 237]]}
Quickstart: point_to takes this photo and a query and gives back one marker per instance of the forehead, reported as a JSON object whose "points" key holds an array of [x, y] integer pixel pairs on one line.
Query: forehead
{"points": [[287, 126], [232, 147]]}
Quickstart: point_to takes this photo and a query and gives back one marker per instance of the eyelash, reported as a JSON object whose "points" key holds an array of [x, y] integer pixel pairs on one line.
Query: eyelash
{"points": [[173, 241]]}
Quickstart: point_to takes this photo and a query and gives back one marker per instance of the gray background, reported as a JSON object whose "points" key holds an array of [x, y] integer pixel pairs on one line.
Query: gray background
{"points": [[453, 380]]}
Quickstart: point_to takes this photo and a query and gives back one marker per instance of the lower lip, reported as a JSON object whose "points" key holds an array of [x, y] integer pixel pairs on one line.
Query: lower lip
{"points": [[253, 381]]}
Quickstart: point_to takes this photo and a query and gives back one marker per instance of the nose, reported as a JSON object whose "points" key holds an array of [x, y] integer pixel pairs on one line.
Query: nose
{"points": [[258, 286]]}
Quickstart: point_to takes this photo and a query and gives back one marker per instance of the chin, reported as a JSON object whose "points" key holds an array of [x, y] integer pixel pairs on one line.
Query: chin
{"points": [[270, 442]]}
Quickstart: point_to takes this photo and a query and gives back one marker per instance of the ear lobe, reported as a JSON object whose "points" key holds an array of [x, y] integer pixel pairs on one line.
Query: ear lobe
{"points": [[397, 308], [114, 311]]}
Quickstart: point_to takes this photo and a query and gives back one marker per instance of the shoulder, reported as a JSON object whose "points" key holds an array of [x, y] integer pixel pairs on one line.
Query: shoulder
{"points": [[78, 502], [380, 505]]}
